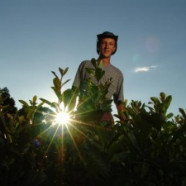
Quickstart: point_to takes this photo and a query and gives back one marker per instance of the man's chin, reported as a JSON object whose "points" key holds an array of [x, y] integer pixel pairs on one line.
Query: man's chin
{"points": [[106, 55]]}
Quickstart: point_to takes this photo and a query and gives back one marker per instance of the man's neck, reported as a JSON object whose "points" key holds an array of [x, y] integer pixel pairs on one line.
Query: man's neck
{"points": [[104, 61]]}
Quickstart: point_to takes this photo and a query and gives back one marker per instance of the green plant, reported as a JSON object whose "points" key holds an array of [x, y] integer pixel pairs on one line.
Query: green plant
{"points": [[148, 149]]}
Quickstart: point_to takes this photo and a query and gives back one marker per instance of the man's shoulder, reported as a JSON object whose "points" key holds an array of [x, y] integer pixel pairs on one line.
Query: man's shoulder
{"points": [[116, 70], [86, 63]]}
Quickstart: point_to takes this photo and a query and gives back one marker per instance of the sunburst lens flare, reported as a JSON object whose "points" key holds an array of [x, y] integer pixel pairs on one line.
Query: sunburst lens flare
{"points": [[63, 118]]}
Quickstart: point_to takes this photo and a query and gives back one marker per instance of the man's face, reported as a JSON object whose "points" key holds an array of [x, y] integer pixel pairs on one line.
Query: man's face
{"points": [[107, 47]]}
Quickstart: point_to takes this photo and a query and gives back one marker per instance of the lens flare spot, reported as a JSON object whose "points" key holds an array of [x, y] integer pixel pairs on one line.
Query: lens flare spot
{"points": [[63, 118]]}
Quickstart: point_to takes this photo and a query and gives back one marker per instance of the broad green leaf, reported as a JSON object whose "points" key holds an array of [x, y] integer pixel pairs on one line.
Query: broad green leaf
{"points": [[24, 103], [155, 100], [34, 99], [54, 74], [182, 112], [65, 71], [61, 71], [166, 103], [57, 83], [162, 96], [31, 103], [47, 102], [170, 115]]}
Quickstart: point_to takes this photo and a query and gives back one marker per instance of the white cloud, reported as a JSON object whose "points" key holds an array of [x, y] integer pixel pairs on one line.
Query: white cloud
{"points": [[144, 69]]}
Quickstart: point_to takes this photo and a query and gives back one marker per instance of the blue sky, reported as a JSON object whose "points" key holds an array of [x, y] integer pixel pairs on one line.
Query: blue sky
{"points": [[38, 36]]}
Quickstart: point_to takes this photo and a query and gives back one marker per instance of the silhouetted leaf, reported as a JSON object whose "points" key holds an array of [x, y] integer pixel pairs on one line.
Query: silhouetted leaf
{"points": [[94, 63], [99, 73], [54, 74], [162, 96], [24, 102], [34, 99], [57, 83], [182, 112], [65, 82], [47, 102]]}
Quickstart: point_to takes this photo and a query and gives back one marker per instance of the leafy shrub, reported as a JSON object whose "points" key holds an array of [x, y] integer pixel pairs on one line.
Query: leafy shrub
{"points": [[148, 148]]}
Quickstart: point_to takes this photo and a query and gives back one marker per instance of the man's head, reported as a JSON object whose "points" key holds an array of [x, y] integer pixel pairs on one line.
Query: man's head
{"points": [[106, 37]]}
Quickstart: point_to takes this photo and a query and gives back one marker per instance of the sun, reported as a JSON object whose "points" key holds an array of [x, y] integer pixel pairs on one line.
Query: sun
{"points": [[63, 117]]}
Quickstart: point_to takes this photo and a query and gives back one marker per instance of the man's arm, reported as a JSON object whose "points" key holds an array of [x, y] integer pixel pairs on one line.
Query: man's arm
{"points": [[79, 75], [121, 109]]}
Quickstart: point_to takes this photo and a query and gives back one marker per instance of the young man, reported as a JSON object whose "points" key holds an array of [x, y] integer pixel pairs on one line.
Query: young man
{"points": [[106, 47]]}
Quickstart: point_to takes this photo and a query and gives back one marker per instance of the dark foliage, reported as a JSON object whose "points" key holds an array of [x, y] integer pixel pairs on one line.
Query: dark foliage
{"points": [[148, 149], [7, 101]]}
